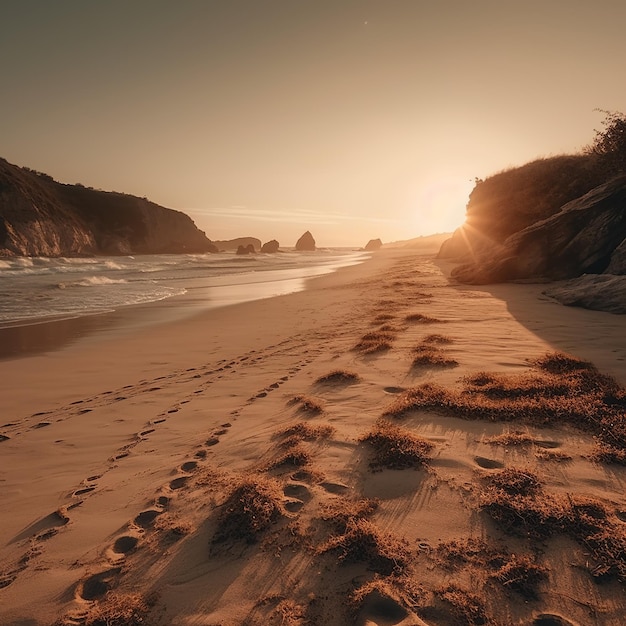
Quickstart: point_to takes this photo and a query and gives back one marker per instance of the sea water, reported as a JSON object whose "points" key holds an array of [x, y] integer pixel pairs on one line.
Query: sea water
{"points": [[34, 289]]}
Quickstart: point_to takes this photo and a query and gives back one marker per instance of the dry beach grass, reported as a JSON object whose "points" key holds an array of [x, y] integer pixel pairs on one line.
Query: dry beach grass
{"points": [[283, 476]]}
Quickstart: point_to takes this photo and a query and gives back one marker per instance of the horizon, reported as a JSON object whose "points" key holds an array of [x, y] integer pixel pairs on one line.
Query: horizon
{"points": [[355, 121]]}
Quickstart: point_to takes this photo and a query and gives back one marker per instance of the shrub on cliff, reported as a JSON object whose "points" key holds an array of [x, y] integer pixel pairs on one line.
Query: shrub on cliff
{"points": [[609, 145]]}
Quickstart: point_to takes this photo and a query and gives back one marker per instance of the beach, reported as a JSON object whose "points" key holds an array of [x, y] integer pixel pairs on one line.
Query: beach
{"points": [[122, 448]]}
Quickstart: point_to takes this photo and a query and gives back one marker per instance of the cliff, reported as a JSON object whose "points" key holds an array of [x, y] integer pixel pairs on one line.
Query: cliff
{"points": [[41, 217], [582, 238], [517, 198]]}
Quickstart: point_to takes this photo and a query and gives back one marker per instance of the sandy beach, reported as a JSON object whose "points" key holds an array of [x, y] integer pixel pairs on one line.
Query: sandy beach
{"points": [[122, 446]]}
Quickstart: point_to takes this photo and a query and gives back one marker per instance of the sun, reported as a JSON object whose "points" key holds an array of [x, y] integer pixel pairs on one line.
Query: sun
{"points": [[440, 207]]}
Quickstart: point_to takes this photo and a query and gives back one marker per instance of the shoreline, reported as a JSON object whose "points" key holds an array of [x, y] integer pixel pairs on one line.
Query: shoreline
{"points": [[121, 450], [30, 337]]}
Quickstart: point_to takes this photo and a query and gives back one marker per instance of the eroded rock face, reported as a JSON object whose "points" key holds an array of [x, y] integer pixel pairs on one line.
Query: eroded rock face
{"points": [[306, 242], [270, 247], [580, 239], [515, 199], [373, 245], [41, 217]]}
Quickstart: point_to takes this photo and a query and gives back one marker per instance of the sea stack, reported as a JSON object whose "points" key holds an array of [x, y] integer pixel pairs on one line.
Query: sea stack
{"points": [[373, 245], [270, 246], [306, 242]]}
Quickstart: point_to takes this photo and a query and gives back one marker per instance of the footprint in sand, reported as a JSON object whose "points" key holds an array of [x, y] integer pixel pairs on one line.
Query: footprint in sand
{"points": [[297, 495], [211, 441], [41, 425], [297, 490], [200, 454], [97, 585], [178, 483], [189, 466], [393, 390], [146, 518], [125, 544], [4, 438], [552, 619], [83, 490], [336, 488], [486, 463]]}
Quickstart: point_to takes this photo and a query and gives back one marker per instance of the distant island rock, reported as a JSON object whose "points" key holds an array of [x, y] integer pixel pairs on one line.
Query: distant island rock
{"points": [[42, 217], [270, 247], [233, 244], [306, 243], [249, 249], [373, 245]]}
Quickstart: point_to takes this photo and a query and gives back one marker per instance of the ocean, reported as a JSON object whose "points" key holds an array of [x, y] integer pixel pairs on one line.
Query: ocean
{"points": [[34, 290]]}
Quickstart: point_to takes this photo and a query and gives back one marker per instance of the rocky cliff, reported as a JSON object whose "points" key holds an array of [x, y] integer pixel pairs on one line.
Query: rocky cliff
{"points": [[41, 217], [587, 236], [514, 199]]}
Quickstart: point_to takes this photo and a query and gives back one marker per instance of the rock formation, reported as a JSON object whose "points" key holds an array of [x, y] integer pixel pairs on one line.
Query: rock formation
{"points": [[510, 201], [233, 244], [249, 249], [373, 245], [41, 217], [306, 242], [270, 247], [580, 239]]}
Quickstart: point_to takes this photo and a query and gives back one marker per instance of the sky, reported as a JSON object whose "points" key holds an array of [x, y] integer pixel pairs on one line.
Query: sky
{"points": [[354, 119]]}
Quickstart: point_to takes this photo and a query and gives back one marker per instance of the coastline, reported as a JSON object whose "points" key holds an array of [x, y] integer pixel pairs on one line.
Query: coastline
{"points": [[119, 437]]}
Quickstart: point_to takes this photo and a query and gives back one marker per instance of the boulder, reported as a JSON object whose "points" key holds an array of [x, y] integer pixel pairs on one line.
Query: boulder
{"points": [[306, 242], [373, 245], [249, 249], [580, 239], [270, 246]]}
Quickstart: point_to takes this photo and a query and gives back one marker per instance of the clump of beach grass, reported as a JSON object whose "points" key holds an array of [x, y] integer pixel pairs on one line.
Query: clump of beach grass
{"points": [[436, 338], [338, 377], [397, 592], [431, 356], [339, 513], [375, 341], [518, 572], [253, 505], [304, 431], [306, 404], [420, 318], [394, 447], [521, 574], [364, 542], [117, 609], [558, 390], [294, 456], [515, 500], [468, 609], [382, 318]]}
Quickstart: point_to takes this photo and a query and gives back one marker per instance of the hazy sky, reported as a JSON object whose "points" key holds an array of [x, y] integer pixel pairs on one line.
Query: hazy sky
{"points": [[354, 119]]}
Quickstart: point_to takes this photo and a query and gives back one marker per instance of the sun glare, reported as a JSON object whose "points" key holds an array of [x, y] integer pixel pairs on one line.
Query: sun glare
{"points": [[440, 207]]}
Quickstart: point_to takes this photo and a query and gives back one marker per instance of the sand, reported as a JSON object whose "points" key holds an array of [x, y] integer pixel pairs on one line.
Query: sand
{"points": [[120, 450]]}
